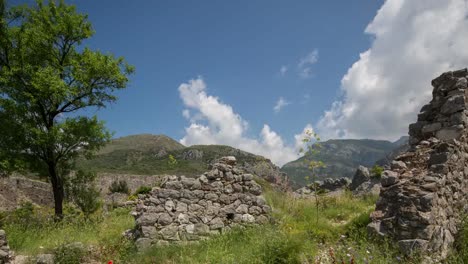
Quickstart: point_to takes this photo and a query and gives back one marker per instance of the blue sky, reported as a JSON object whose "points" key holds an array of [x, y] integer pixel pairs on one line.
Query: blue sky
{"points": [[257, 74], [238, 47]]}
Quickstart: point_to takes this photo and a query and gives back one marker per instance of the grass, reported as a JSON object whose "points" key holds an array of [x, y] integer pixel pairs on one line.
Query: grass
{"points": [[298, 235], [36, 232], [337, 234]]}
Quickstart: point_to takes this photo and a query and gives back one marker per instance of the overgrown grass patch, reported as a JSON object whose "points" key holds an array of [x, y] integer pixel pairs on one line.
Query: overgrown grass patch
{"points": [[249, 245], [41, 234]]}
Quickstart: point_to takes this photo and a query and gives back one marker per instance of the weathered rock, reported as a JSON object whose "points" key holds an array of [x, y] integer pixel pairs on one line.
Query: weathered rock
{"points": [[389, 178], [422, 202], [4, 249], [45, 259], [362, 175]]}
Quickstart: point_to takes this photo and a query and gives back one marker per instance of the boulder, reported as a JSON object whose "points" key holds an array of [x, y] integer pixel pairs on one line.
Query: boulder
{"points": [[362, 175]]}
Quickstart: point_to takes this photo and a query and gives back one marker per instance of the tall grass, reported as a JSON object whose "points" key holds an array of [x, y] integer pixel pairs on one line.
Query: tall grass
{"points": [[33, 231], [295, 236]]}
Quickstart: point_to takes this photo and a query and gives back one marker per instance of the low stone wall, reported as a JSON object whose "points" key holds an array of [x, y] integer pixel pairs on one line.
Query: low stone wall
{"points": [[4, 249], [425, 194], [190, 209]]}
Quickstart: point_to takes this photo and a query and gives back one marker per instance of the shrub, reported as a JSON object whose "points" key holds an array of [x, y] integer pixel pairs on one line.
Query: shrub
{"points": [[281, 249], [69, 254], [83, 193], [143, 190], [377, 171], [120, 186]]}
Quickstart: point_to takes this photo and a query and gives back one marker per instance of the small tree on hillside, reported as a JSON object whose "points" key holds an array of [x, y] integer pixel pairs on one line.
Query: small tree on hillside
{"points": [[46, 73]]}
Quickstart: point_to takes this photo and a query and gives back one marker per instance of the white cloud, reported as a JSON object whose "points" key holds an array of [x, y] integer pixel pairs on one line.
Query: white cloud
{"points": [[305, 64], [299, 138], [413, 42], [283, 70], [280, 104], [219, 124], [186, 113]]}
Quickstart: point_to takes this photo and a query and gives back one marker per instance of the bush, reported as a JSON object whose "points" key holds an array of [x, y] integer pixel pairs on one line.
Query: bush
{"points": [[281, 250], [143, 190], [119, 187], [83, 193], [69, 254], [377, 171]]}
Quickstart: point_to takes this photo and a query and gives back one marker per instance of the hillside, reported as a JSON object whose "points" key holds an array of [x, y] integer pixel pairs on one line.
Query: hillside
{"points": [[149, 155], [341, 158]]}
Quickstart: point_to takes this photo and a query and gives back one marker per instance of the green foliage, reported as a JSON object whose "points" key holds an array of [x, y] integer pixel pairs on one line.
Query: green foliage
{"points": [[45, 75], [143, 190], [282, 249], [377, 171], [44, 235], [460, 252], [172, 161], [120, 186], [69, 254], [249, 245], [83, 192]]}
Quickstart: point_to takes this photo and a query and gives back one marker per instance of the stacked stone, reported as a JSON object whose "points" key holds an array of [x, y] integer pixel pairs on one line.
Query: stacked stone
{"points": [[190, 209], [4, 249], [425, 194]]}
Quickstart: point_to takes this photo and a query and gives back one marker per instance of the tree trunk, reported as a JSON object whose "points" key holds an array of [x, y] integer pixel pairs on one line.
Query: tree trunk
{"points": [[57, 187]]}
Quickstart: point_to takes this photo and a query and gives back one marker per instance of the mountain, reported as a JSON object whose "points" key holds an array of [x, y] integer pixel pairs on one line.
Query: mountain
{"points": [[341, 157], [149, 155]]}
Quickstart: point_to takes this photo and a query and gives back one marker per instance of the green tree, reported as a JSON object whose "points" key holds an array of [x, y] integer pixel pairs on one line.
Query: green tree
{"points": [[47, 75]]}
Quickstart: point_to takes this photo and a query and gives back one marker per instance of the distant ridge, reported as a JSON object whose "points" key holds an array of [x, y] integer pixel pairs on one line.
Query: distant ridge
{"points": [[342, 157], [148, 154]]}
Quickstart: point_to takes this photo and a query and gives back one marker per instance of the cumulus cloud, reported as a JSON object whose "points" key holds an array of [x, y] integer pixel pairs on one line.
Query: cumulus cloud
{"points": [[283, 70], [305, 64], [413, 42], [280, 104], [217, 123]]}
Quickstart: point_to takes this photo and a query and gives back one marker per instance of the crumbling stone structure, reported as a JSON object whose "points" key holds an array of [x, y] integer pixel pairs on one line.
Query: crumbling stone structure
{"points": [[190, 209], [4, 249], [425, 194]]}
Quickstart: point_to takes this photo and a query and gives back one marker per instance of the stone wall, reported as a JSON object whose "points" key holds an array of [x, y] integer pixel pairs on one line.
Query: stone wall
{"points": [[190, 209], [14, 190], [4, 249], [424, 195]]}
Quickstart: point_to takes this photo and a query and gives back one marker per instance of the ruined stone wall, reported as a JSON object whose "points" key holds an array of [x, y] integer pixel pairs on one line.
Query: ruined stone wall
{"points": [[14, 190], [4, 249], [190, 209], [425, 194]]}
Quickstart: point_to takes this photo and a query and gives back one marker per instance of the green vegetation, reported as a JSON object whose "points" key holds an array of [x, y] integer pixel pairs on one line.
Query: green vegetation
{"points": [[120, 186], [32, 231], [150, 155], [47, 75], [82, 191], [295, 237], [339, 236], [460, 253], [143, 190], [377, 171]]}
